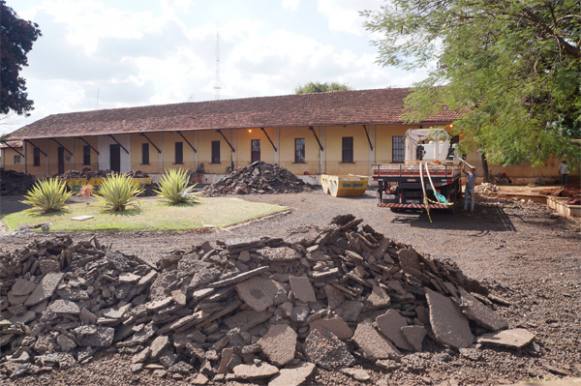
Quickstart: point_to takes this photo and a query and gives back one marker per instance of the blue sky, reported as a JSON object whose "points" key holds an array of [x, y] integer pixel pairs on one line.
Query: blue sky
{"points": [[103, 54]]}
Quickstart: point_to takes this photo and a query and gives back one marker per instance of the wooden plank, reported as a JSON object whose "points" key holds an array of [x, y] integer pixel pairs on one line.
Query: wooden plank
{"points": [[119, 143], [60, 144], [150, 141], [368, 138], [268, 137], [188, 142], [226, 139], [91, 146], [316, 137]]}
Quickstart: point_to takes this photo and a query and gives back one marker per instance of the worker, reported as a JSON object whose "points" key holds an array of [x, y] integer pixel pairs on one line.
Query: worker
{"points": [[564, 172], [469, 200]]}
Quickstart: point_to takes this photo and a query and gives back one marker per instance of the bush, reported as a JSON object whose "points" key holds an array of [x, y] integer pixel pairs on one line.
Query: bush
{"points": [[173, 187], [48, 195], [119, 192]]}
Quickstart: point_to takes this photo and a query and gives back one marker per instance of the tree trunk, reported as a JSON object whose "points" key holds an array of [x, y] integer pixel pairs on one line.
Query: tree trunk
{"points": [[486, 173]]}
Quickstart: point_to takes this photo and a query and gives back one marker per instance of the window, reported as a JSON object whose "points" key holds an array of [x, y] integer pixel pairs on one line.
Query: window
{"points": [[254, 150], [215, 152], [299, 150], [17, 159], [179, 153], [347, 150], [87, 155], [36, 156], [145, 153], [398, 149]]}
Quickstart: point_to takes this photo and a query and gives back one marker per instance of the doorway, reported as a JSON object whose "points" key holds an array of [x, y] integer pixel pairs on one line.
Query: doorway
{"points": [[254, 150], [61, 159], [115, 157]]}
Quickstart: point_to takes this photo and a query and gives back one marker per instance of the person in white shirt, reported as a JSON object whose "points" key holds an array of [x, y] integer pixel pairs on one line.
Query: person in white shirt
{"points": [[564, 172]]}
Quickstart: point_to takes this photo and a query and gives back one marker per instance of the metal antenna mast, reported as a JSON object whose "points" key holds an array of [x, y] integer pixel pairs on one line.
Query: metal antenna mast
{"points": [[217, 85]]}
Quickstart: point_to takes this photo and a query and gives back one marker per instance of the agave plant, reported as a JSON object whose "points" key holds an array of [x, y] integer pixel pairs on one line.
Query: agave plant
{"points": [[174, 189], [48, 195], [118, 192]]}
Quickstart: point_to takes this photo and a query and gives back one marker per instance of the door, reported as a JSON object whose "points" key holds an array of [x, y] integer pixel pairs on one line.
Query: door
{"points": [[115, 157], [61, 160], [254, 150]]}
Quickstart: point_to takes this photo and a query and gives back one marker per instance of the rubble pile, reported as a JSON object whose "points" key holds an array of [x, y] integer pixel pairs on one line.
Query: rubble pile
{"points": [[270, 310], [88, 173], [486, 189], [13, 182], [258, 177]]}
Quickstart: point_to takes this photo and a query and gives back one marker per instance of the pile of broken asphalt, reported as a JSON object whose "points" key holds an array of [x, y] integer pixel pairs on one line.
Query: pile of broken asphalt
{"points": [[258, 177], [269, 311]]}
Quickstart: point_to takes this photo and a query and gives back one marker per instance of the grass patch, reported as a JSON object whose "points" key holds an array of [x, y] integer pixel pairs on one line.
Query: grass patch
{"points": [[150, 215]]}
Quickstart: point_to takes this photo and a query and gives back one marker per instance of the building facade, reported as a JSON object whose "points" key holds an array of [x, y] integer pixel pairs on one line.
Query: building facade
{"points": [[327, 133]]}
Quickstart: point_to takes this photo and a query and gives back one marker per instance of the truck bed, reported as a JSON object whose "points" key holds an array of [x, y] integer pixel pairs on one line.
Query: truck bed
{"points": [[413, 170]]}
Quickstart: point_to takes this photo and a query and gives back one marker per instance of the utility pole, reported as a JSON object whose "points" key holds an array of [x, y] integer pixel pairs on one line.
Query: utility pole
{"points": [[217, 84]]}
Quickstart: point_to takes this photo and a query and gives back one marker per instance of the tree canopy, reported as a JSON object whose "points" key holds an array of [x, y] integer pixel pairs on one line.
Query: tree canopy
{"points": [[511, 67], [314, 87], [16, 39]]}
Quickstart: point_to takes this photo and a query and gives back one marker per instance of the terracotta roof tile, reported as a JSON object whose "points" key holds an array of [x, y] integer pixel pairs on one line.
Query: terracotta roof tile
{"points": [[334, 108]]}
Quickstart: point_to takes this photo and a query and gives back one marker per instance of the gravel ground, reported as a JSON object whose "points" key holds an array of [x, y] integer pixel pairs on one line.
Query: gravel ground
{"points": [[524, 252]]}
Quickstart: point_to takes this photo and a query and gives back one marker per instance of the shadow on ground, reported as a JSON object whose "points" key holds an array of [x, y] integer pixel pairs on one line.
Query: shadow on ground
{"points": [[483, 220], [11, 204]]}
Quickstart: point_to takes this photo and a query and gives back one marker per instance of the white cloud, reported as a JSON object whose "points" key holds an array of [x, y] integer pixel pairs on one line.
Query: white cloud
{"points": [[343, 15], [167, 54], [291, 5]]}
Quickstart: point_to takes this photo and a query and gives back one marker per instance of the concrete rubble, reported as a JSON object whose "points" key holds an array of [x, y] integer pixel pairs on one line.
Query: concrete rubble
{"points": [[258, 177], [223, 312]]}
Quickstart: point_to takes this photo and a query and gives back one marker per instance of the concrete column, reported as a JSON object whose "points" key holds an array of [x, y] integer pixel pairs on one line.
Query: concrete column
{"points": [[322, 132], [277, 144]]}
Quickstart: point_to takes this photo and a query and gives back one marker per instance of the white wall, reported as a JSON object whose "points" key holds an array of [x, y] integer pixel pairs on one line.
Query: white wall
{"points": [[104, 156]]}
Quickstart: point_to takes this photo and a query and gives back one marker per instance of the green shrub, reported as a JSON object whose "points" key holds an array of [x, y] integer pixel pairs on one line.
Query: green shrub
{"points": [[119, 192], [174, 189], [48, 195]]}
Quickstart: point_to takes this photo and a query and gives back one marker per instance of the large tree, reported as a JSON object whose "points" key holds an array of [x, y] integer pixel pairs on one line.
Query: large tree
{"points": [[16, 39], [511, 67], [314, 87]]}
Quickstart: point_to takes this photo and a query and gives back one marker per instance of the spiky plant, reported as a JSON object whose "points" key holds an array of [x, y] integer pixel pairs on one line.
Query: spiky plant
{"points": [[118, 192], [174, 189], [48, 195]]}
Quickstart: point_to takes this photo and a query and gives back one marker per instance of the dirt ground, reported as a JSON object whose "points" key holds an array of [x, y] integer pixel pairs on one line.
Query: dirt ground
{"points": [[525, 253]]}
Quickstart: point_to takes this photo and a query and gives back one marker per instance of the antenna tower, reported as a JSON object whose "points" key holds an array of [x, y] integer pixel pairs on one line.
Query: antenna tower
{"points": [[217, 85]]}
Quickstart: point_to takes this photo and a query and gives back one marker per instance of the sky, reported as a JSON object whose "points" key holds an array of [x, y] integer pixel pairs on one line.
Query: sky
{"points": [[105, 54]]}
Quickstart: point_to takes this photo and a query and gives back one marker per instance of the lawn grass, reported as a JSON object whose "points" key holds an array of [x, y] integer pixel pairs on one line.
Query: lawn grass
{"points": [[151, 215]]}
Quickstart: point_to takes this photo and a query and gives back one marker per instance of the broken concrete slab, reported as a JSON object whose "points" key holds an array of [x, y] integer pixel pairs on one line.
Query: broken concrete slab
{"points": [[94, 336], [324, 349], [45, 288], [480, 313], [449, 325], [279, 344], [254, 371], [378, 298], [238, 278], [357, 374], [293, 376], [22, 287], [302, 288], [373, 345], [245, 320], [336, 325], [390, 324], [257, 292], [62, 307], [414, 335], [158, 345], [350, 310], [514, 338]]}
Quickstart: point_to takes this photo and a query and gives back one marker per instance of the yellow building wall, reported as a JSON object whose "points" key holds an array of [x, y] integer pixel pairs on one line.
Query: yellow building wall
{"points": [[168, 140], [333, 150], [49, 164], [383, 141], [8, 156], [286, 146], [243, 138], [157, 161], [516, 172], [204, 140]]}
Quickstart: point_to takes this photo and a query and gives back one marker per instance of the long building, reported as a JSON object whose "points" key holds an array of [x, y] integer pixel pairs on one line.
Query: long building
{"points": [[334, 133]]}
